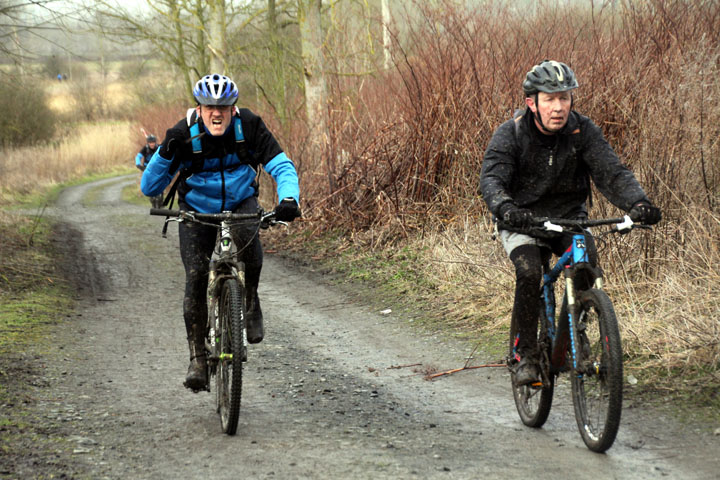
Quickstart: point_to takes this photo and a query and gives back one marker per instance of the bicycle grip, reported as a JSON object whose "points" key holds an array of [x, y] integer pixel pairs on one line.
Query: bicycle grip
{"points": [[164, 212]]}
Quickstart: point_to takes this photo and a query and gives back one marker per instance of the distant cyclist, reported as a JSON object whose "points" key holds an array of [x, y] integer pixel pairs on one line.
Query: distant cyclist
{"points": [[218, 150], [143, 158], [146, 152], [540, 164]]}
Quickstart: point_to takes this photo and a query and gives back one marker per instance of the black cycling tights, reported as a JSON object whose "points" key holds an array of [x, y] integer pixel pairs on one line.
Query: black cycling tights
{"points": [[196, 246], [528, 261]]}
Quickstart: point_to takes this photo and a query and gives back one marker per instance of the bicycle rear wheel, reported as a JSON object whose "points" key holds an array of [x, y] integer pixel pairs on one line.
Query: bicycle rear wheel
{"points": [[597, 383], [533, 403], [231, 326]]}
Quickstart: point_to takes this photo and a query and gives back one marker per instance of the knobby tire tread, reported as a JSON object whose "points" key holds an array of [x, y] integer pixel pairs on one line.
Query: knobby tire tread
{"points": [[533, 405], [612, 368], [232, 317]]}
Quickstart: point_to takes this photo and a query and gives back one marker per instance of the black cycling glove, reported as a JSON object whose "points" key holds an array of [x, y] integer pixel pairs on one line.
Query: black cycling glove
{"points": [[520, 218], [645, 213], [174, 137], [287, 210]]}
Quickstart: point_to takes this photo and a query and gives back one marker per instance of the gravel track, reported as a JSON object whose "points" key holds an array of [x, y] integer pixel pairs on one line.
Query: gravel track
{"points": [[320, 397]]}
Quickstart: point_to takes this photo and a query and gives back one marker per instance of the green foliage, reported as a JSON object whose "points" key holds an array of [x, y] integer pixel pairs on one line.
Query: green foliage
{"points": [[23, 320], [26, 119], [31, 295]]}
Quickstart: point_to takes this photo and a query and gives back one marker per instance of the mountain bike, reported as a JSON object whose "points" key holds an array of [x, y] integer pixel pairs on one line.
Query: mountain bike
{"points": [[584, 340], [226, 341]]}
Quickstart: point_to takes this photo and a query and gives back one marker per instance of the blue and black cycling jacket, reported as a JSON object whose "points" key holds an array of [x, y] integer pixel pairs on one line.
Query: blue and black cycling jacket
{"points": [[222, 175]]}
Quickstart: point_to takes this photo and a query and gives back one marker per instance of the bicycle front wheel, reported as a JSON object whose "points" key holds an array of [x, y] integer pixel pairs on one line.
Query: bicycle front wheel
{"points": [[231, 325], [597, 382]]}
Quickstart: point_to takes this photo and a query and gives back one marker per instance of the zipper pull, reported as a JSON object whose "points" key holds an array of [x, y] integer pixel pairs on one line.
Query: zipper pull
{"points": [[551, 160]]}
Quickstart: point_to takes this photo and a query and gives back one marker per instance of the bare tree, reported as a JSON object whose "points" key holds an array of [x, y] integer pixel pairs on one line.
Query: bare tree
{"points": [[311, 39], [190, 35], [386, 33], [25, 19]]}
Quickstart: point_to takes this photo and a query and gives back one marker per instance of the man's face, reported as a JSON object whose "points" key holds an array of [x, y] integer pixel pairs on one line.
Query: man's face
{"points": [[553, 108], [215, 117], [152, 145]]}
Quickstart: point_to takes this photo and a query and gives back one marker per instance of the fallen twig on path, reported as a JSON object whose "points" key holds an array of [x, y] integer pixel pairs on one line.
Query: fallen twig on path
{"points": [[455, 370]]}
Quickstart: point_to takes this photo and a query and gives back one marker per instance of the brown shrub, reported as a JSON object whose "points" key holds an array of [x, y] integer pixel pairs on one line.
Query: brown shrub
{"points": [[406, 146]]}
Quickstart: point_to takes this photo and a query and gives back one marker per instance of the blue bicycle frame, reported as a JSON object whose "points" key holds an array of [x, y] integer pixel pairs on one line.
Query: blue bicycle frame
{"points": [[574, 259]]}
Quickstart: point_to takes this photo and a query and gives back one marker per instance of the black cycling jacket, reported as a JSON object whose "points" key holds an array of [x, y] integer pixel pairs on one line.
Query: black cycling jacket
{"points": [[550, 174]]}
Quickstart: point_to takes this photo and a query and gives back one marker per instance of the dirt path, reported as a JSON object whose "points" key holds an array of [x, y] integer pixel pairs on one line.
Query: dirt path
{"points": [[319, 399]]}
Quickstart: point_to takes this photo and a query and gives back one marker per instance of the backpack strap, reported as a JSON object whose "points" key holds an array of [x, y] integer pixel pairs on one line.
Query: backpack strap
{"points": [[517, 116], [195, 138], [239, 137]]}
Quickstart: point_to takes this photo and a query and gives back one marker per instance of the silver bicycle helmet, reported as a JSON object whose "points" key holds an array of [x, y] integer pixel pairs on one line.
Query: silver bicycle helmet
{"points": [[549, 77], [215, 89]]}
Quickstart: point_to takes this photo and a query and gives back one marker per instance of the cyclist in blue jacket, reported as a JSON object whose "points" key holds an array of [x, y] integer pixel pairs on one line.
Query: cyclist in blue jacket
{"points": [[218, 150], [143, 158], [539, 164], [146, 152]]}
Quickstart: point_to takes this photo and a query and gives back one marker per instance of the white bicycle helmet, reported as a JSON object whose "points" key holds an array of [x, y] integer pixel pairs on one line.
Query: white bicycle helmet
{"points": [[215, 89]]}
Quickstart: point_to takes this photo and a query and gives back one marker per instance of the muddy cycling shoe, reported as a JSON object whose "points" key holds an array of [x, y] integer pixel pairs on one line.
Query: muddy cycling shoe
{"points": [[527, 372], [254, 317], [196, 378]]}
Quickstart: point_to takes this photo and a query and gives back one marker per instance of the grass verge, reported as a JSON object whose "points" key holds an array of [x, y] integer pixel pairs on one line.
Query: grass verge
{"points": [[34, 299]]}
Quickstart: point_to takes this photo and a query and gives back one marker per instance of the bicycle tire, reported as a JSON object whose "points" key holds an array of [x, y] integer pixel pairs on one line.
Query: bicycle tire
{"points": [[597, 383], [534, 403], [231, 325]]}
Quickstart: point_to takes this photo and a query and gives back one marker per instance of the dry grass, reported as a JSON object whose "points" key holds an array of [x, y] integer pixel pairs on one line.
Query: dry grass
{"points": [[87, 149]]}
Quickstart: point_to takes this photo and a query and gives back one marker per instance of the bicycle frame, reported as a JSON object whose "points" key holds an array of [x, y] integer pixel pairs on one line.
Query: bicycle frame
{"points": [[223, 266], [563, 332]]}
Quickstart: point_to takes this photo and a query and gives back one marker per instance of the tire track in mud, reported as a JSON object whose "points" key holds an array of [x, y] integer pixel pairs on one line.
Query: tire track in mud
{"points": [[319, 397]]}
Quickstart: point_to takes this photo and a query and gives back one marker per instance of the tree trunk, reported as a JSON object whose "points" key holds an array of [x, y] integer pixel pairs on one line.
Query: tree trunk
{"points": [[217, 36], [179, 47], [315, 89], [276, 54], [386, 33]]}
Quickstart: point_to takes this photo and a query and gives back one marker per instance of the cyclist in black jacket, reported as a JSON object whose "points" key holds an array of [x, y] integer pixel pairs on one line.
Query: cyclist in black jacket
{"points": [[540, 164]]}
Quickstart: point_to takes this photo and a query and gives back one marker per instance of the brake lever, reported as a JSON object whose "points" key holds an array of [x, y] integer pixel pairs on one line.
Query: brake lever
{"points": [[269, 223]]}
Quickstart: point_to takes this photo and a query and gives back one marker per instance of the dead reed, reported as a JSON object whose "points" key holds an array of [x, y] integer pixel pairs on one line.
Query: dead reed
{"points": [[85, 150]]}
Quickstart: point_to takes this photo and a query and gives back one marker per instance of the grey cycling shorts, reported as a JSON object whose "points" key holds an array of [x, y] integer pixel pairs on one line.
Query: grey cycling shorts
{"points": [[512, 240]]}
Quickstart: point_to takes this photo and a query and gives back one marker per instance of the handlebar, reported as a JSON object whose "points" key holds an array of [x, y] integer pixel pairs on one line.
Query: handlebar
{"points": [[560, 225], [265, 218]]}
